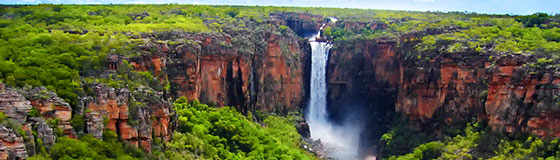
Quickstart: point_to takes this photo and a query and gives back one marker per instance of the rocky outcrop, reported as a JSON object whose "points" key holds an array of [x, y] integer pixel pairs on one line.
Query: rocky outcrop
{"points": [[15, 107], [14, 104], [136, 116], [523, 98], [11, 144], [50, 106], [16, 138]]}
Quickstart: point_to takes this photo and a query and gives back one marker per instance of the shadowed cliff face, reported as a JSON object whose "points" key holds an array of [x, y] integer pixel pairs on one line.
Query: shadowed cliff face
{"points": [[362, 81]]}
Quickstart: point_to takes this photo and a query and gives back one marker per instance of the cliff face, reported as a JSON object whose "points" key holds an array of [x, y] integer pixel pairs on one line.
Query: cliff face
{"points": [[448, 88], [509, 93], [365, 69], [522, 98], [362, 79], [264, 73], [452, 86]]}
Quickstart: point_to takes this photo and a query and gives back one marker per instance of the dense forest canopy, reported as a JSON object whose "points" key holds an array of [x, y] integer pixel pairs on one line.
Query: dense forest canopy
{"points": [[65, 47]]}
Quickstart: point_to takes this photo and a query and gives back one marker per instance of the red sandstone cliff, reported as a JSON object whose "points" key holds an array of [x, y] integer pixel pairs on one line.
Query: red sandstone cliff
{"points": [[266, 75], [507, 90]]}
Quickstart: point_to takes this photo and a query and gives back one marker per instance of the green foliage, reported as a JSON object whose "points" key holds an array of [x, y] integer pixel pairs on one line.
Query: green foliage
{"points": [[78, 122], [3, 117], [402, 138], [89, 147], [33, 113], [233, 12], [460, 147], [534, 20], [529, 149], [223, 133], [53, 123], [478, 143], [426, 151], [541, 62], [54, 59], [511, 38]]}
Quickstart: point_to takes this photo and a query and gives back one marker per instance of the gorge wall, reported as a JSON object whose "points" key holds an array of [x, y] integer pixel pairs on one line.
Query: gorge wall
{"points": [[510, 91], [265, 75], [362, 79]]}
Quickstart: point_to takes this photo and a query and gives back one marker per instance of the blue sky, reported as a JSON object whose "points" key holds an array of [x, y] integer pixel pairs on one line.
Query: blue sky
{"points": [[480, 6]]}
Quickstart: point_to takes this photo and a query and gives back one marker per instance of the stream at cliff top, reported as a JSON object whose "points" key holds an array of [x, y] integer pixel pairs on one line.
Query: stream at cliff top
{"points": [[340, 141]]}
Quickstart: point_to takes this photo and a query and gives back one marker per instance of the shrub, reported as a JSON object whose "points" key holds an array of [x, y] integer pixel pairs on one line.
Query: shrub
{"points": [[224, 133]]}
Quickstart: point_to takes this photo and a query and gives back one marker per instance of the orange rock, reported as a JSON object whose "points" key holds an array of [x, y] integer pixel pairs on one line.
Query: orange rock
{"points": [[211, 73], [50, 105], [113, 105]]}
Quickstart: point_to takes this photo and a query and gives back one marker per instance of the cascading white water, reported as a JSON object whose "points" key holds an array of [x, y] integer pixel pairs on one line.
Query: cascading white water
{"points": [[340, 141], [317, 110]]}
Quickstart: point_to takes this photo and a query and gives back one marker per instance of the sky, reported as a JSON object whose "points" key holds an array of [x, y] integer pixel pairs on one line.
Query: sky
{"points": [[479, 6]]}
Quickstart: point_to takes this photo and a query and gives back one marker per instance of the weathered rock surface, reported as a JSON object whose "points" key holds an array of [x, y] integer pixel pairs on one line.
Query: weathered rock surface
{"points": [[265, 75], [523, 98], [11, 144], [505, 90], [46, 134], [14, 104], [134, 116], [50, 105]]}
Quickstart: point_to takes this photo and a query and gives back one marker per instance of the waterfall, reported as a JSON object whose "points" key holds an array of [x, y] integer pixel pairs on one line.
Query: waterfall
{"points": [[317, 110], [339, 141]]}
